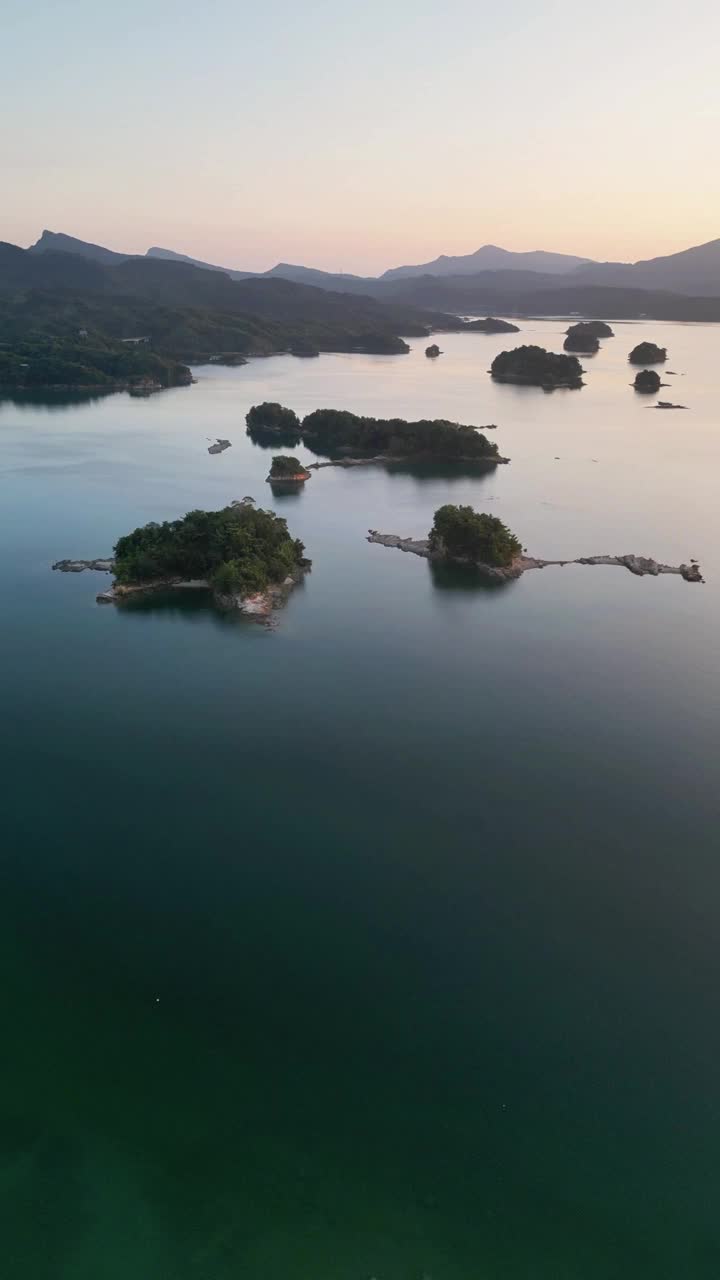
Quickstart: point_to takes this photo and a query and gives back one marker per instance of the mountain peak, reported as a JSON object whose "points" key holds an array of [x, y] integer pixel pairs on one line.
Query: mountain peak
{"points": [[491, 257], [58, 242]]}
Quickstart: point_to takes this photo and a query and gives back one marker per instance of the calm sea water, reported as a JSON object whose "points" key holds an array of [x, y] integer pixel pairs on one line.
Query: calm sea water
{"points": [[384, 944]]}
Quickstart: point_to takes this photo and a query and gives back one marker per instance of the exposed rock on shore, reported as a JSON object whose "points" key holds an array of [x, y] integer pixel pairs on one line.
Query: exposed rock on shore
{"points": [[638, 565], [384, 459], [287, 470], [78, 566], [262, 604]]}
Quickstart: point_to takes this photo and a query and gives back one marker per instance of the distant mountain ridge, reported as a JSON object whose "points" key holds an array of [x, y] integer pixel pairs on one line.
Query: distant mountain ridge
{"points": [[693, 272], [491, 258]]}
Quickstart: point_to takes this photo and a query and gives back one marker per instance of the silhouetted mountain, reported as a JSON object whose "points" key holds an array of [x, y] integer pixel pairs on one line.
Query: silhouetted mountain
{"points": [[58, 242], [346, 283], [169, 255], [692, 271], [285, 270], [70, 315], [31, 269], [490, 258], [527, 293]]}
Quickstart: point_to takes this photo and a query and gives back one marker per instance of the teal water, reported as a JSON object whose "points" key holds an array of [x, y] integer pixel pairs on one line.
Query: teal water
{"points": [[383, 944]]}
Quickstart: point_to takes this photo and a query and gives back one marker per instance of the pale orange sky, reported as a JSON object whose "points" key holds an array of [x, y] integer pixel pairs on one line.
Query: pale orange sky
{"points": [[358, 141]]}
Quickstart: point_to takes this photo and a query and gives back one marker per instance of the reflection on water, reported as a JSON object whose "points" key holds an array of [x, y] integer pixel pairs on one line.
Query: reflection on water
{"points": [[52, 399], [273, 439], [382, 945], [464, 578], [281, 492]]}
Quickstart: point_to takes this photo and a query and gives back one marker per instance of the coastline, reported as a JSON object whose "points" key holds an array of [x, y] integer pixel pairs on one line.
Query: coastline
{"points": [[260, 604], [640, 566], [380, 459]]}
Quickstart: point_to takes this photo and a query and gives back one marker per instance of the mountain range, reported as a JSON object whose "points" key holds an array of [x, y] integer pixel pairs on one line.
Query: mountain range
{"points": [[694, 271], [77, 314]]}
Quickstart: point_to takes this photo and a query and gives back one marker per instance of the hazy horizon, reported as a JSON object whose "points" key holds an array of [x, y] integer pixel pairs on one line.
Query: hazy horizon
{"points": [[365, 141]]}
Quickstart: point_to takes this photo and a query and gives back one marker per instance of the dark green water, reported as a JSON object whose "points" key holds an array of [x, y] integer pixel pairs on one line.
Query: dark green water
{"points": [[384, 944]]}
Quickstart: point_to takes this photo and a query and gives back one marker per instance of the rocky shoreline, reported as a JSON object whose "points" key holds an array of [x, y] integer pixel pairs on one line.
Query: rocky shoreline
{"points": [[386, 459], [641, 566], [260, 604]]}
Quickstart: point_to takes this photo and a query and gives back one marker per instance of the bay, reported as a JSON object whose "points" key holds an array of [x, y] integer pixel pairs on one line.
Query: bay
{"points": [[384, 943]]}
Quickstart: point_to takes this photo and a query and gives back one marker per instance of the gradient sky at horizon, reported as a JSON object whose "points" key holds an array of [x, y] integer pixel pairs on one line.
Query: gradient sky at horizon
{"points": [[357, 139]]}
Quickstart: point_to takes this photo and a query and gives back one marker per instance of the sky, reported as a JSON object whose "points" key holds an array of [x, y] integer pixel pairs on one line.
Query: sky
{"points": [[359, 137]]}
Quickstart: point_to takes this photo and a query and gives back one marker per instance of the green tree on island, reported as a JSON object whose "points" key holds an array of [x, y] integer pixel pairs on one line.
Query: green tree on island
{"points": [[284, 466], [271, 418], [240, 549], [335, 431], [463, 534], [534, 366]]}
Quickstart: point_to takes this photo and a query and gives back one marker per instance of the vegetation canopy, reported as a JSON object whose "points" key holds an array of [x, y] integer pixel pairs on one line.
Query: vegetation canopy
{"points": [[283, 465], [591, 328], [491, 325], [647, 353], [537, 367], [273, 422], [581, 339], [463, 534], [647, 380], [239, 549], [331, 431]]}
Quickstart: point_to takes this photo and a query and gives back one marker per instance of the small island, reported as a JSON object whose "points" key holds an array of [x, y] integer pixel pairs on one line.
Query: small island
{"points": [[647, 381], [465, 536], [433, 351], [581, 340], [353, 440], [271, 423], [287, 470], [243, 555], [647, 353], [535, 367], [219, 446], [481, 542], [593, 328], [490, 325]]}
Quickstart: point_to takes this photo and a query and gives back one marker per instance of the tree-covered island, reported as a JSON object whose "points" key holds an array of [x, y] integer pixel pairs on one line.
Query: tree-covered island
{"points": [[591, 328], [535, 367], [471, 537], [287, 470], [647, 381], [647, 353], [350, 438], [481, 542], [271, 423], [240, 552], [581, 338], [490, 324]]}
